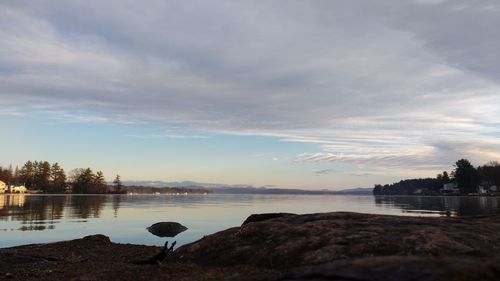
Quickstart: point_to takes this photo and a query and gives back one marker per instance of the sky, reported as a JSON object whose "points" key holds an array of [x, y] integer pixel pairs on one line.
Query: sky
{"points": [[286, 93]]}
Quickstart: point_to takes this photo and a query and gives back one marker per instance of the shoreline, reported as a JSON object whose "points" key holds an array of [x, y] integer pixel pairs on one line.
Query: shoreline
{"points": [[222, 193], [283, 247]]}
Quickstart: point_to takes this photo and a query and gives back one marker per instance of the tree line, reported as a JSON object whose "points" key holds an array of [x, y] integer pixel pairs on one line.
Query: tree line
{"points": [[465, 175], [51, 178]]}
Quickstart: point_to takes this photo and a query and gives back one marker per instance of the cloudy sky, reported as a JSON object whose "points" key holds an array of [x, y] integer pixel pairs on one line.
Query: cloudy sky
{"points": [[310, 94]]}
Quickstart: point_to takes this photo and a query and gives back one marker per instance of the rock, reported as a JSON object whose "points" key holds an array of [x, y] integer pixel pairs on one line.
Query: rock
{"points": [[267, 216], [292, 241], [396, 268], [96, 258], [98, 238], [12, 258], [166, 229]]}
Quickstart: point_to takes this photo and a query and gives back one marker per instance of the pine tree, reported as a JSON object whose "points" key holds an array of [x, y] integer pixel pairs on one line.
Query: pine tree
{"points": [[467, 176], [57, 178], [117, 184], [99, 184], [27, 174]]}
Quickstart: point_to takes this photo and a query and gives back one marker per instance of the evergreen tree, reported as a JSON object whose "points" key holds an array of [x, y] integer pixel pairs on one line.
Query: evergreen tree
{"points": [[117, 184], [466, 176], [443, 178], [99, 184], [490, 173], [82, 180], [57, 178], [17, 175], [5, 175], [42, 176], [27, 174]]}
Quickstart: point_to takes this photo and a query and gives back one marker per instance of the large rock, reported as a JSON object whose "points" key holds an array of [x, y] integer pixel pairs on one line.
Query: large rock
{"points": [[97, 258], [299, 240], [398, 268]]}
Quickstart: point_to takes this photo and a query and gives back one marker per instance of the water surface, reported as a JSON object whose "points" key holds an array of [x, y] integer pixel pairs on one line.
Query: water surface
{"points": [[28, 219]]}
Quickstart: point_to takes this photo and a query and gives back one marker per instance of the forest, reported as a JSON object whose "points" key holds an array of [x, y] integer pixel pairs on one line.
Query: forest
{"points": [[44, 177], [466, 177]]}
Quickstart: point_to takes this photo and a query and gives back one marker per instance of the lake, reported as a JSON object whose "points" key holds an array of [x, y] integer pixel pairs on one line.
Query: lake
{"points": [[26, 219]]}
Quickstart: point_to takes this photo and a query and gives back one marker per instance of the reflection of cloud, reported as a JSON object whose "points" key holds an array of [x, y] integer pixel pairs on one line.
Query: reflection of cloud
{"points": [[393, 79]]}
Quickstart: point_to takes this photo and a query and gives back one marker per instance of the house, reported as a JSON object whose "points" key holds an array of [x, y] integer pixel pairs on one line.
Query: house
{"points": [[482, 189], [3, 187], [18, 189], [487, 188], [450, 188]]}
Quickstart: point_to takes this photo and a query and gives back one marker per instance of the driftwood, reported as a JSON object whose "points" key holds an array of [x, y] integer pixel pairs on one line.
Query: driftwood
{"points": [[160, 257]]}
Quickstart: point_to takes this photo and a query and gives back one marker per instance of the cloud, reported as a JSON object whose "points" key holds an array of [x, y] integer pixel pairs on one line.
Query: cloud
{"points": [[361, 174], [435, 157], [11, 112], [325, 171], [168, 136], [385, 84]]}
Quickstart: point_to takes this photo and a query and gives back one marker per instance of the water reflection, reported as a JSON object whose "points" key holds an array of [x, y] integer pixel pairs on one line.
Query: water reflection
{"points": [[46, 218], [116, 205], [83, 207], [441, 205], [40, 212]]}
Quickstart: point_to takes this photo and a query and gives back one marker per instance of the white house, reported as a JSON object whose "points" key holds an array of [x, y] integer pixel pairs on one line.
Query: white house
{"points": [[450, 188], [482, 189], [486, 188], [3, 187], [18, 189]]}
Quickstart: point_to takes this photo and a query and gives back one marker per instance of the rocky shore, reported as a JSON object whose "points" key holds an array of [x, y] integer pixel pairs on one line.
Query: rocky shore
{"points": [[326, 246]]}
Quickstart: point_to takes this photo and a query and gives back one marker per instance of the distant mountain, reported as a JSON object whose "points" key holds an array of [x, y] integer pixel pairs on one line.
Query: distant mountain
{"points": [[164, 190], [245, 189], [355, 191], [180, 184], [265, 190]]}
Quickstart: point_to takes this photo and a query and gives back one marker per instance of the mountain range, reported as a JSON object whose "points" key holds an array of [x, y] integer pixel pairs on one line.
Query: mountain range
{"points": [[246, 189]]}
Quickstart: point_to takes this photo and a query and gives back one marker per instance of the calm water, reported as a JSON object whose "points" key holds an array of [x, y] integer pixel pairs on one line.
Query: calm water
{"points": [[45, 218]]}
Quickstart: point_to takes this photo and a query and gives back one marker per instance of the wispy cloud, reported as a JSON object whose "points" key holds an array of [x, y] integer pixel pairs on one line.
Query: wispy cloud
{"points": [[435, 157], [11, 112], [324, 171], [169, 136], [391, 85]]}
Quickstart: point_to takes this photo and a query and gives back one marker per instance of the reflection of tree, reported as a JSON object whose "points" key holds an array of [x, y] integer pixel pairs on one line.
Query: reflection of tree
{"points": [[34, 212], [461, 206], [87, 206], [116, 204], [35, 227], [470, 204], [44, 212]]}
